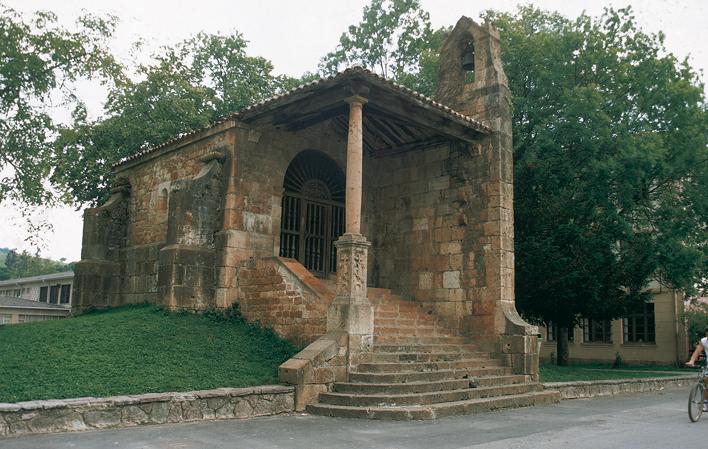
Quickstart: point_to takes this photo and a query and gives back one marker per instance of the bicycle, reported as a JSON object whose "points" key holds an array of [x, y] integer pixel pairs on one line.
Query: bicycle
{"points": [[696, 395]]}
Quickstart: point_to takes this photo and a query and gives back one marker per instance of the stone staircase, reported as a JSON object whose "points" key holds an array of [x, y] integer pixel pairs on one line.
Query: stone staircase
{"points": [[419, 369]]}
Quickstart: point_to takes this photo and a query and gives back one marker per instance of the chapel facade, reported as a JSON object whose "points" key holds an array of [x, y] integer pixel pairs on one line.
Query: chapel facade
{"points": [[349, 215]]}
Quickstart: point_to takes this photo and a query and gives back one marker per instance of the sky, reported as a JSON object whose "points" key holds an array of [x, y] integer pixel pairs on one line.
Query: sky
{"points": [[294, 35]]}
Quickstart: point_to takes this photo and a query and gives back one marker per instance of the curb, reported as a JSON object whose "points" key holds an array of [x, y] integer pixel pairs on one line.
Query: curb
{"points": [[599, 388], [78, 414]]}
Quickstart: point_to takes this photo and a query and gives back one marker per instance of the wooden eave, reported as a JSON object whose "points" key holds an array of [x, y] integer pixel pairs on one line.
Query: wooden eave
{"points": [[395, 119]]}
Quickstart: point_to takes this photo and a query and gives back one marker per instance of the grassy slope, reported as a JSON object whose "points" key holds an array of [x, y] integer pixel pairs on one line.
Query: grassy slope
{"points": [[553, 373], [135, 349]]}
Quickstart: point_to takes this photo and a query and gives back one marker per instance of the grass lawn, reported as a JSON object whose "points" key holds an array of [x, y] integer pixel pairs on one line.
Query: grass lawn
{"points": [[135, 349], [554, 373]]}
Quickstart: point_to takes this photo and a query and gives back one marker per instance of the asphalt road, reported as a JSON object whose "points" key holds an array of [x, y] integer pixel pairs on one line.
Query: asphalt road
{"points": [[648, 421]]}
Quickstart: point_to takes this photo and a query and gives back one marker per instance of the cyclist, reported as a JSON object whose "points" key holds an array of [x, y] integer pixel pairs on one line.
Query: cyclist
{"points": [[702, 346]]}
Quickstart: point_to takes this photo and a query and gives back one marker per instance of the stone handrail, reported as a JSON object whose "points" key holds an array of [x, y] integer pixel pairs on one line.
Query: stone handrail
{"points": [[314, 369]]}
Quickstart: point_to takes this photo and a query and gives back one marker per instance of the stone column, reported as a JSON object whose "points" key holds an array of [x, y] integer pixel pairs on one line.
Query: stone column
{"points": [[355, 150], [351, 311]]}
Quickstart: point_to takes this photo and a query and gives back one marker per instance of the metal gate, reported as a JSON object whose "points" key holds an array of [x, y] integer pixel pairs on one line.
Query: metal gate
{"points": [[312, 212]]}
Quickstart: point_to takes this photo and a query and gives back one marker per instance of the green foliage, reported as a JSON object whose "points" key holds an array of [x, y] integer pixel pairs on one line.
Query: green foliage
{"points": [[393, 37], [695, 316], [135, 349], [40, 61], [186, 87], [20, 265], [610, 135]]}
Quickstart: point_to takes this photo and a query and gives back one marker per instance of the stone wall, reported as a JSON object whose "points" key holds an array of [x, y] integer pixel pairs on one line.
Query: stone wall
{"points": [[597, 388], [282, 295], [252, 221], [138, 273], [417, 233], [69, 415], [124, 239]]}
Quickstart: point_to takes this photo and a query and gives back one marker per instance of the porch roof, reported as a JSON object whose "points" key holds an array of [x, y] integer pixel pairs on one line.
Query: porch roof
{"points": [[396, 118]]}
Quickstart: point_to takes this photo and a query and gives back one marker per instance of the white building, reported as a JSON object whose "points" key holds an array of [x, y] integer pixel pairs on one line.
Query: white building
{"points": [[15, 310], [55, 288]]}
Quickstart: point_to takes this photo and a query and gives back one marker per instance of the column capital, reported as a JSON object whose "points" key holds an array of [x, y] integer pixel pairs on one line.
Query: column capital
{"points": [[356, 99]]}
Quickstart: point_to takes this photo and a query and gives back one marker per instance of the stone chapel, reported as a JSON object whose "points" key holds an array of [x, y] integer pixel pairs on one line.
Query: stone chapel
{"points": [[360, 220]]}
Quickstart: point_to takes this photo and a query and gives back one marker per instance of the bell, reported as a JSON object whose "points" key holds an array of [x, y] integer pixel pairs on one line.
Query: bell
{"points": [[468, 58]]}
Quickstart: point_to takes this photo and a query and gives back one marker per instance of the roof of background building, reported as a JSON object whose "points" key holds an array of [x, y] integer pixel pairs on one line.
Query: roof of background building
{"points": [[34, 279], [21, 303]]}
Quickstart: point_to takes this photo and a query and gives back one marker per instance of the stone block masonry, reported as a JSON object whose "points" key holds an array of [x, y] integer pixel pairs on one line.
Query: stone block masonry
{"points": [[281, 294], [70, 415]]}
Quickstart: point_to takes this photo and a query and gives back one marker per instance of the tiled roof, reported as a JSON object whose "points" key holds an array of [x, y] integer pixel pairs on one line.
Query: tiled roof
{"points": [[16, 303], [34, 279], [274, 100]]}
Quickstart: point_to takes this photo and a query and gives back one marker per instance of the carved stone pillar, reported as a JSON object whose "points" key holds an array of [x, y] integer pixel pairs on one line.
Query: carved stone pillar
{"points": [[351, 311]]}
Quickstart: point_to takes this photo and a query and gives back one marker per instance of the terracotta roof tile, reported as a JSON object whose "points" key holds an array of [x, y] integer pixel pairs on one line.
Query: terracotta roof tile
{"points": [[256, 107]]}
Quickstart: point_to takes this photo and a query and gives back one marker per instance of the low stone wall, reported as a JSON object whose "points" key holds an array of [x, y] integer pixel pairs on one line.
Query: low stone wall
{"points": [[595, 388], [78, 414]]}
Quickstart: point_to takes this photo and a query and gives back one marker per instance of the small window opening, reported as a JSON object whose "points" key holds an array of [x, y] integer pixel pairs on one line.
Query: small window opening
{"points": [[162, 201]]}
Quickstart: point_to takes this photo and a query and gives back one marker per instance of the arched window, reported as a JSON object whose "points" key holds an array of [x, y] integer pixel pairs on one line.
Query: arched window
{"points": [[312, 211], [162, 201]]}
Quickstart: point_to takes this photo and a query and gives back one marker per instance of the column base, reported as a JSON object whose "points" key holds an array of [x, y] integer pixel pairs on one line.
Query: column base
{"points": [[351, 310]]}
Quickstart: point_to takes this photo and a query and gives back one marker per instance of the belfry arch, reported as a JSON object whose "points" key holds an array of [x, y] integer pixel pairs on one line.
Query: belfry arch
{"points": [[312, 216]]}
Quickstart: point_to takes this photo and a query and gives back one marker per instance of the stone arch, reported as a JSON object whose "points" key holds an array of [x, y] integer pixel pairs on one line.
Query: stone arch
{"points": [[312, 212]]}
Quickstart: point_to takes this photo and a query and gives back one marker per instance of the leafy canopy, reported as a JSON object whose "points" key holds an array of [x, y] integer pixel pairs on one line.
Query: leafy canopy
{"points": [[186, 87], [39, 61], [22, 264], [611, 164], [390, 39]]}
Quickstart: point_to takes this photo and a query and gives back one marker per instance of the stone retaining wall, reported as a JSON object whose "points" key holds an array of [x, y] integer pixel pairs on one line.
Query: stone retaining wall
{"points": [[78, 414], [595, 388]]}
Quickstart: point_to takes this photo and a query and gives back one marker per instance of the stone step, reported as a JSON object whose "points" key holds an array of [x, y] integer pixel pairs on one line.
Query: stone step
{"points": [[427, 386], [405, 357], [426, 376], [404, 367], [433, 397], [406, 340], [438, 410], [412, 332], [430, 347]]}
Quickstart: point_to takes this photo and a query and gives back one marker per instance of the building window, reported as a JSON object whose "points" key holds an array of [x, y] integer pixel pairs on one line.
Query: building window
{"points": [[552, 332], [18, 292], [54, 294], [639, 326], [43, 291], [65, 294], [5, 318], [597, 331]]}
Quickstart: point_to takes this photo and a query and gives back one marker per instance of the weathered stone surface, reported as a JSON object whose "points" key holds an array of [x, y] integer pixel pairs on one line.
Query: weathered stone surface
{"points": [[102, 419], [133, 415], [158, 408], [243, 408], [56, 420], [590, 389]]}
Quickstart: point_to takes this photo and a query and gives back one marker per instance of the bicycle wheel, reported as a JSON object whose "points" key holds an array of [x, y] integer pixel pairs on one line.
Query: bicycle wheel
{"points": [[695, 402]]}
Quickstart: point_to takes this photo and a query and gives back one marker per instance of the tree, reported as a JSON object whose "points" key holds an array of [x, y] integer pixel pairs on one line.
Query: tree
{"points": [[610, 155], [611, 164], [22, 264], [391, 39], [186, 87], [39, 60], [696, 319]]}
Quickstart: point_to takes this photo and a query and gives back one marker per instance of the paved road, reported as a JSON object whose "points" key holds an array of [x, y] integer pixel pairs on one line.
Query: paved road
{"points": [[648, 421]]}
